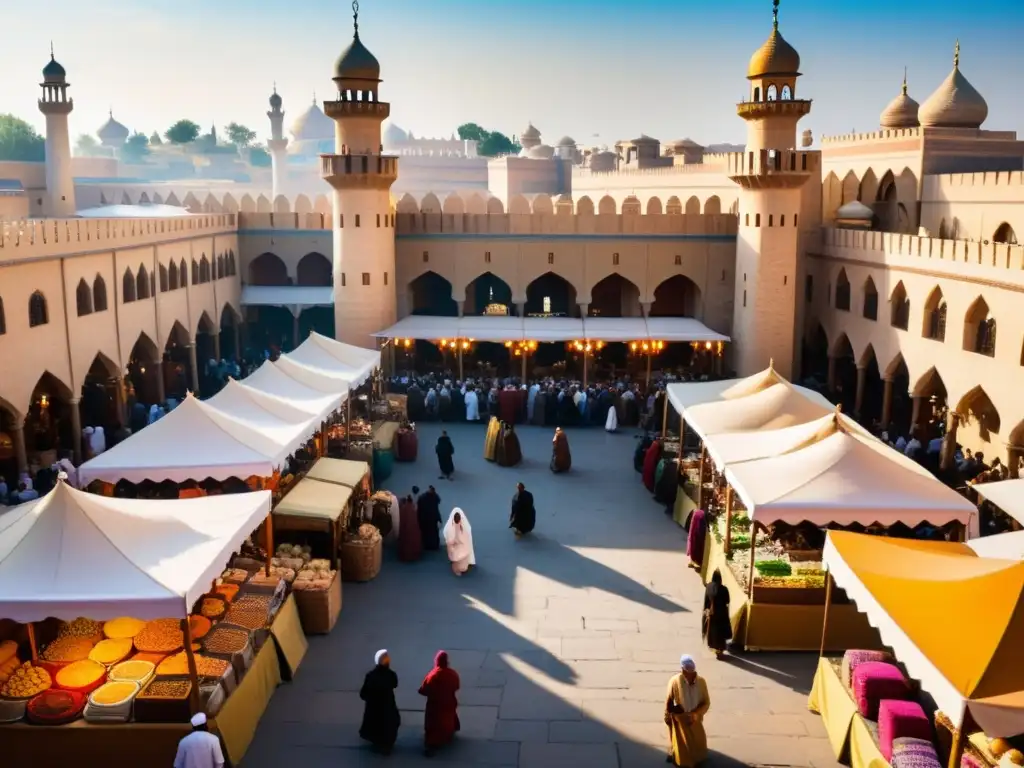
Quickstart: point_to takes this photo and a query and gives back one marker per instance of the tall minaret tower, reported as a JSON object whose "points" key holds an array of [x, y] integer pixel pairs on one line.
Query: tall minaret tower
{"points": [[55, 104], [277, 144], [771, 174], [361, 175]]}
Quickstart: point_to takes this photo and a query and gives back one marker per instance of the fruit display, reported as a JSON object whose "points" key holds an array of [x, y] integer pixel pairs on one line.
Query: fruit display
{"points": [[167, 689], [81, 628], [160, 636], [26, 681], [249, 611], [198, 626], [80, 675], [226, 641], [111, 651], [132, 671], [8, 668], [205, 666], [55, 707], [117, 629], [113, 694], [68, 648]]}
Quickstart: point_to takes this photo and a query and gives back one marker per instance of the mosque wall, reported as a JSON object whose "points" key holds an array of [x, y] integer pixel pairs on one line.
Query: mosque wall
{"points": [[104, 285], [968, 283], [974, 206]]}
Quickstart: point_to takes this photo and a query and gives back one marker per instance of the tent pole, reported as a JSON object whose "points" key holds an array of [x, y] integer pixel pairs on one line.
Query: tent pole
{"points": [[348, 424], [460, 362], [32, 642], [269, 531], [956, 749], [664, 416], [728, 521], [524, 366], [648, 370], [828, 605], [193, 674], [700, 476], [334, 544], [750, 574], [585, 356]]}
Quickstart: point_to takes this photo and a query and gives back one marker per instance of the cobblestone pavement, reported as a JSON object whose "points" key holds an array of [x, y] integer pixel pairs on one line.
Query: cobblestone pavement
{"points": [[564, 640]]}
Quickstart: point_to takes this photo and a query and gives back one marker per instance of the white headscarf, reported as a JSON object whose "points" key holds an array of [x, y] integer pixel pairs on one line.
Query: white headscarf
{"points": [[154, 413], [686, 662], [451, 530], [379, 655]]}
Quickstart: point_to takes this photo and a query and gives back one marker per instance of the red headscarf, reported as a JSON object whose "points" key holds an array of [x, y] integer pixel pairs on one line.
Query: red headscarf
{"points": [[441, 660]]}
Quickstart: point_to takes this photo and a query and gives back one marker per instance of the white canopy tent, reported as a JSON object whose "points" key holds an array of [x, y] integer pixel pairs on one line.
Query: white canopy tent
{"points": [[273, 381], [1008, 495], [314, 377], [192, 442], [681, 329], [314, 355], [358, 358], [283, 423], [72, 554], [1003, 546], [685, 395], [780, 405], [843, 477], [553, 328], [615, 328], [488, 328]]}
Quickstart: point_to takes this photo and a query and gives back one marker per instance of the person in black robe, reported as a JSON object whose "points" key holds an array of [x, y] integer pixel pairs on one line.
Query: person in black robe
{"points": [[380, 714], [428, 514], [551, 408], [445, 450], [414, 403], [717, 627], [524, 516]]}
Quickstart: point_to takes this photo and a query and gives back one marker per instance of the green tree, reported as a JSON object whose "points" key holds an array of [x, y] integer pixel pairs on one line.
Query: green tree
{"points": [[19, 141], [471, 132], [135, 148], [259, 157], [497, 144], [239, 135], [182, 132], [86, 145]]}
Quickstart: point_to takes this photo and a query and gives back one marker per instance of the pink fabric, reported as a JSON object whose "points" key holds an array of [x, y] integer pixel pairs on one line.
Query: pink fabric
{"points": [[900, 719], [855, 657], [874, 681]]}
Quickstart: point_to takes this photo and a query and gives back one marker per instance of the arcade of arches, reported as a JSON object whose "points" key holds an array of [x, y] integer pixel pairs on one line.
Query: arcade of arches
{"points": [[276, 328]]}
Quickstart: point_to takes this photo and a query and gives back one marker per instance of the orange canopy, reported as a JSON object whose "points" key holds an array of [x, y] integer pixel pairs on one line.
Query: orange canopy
{"points": [[954, 619]]}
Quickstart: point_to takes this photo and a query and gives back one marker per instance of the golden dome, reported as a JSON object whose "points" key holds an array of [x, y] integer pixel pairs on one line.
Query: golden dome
{"points": [[776, 56], [901, 112], [956, 103]]}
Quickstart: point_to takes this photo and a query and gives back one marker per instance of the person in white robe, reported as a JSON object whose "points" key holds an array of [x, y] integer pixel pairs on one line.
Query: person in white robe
{"points": [[87, 442], [154, 413], [611, 424], [530, 398], [396, 516], [472, 404], [97, 441], [458, 540], [200, 749]]}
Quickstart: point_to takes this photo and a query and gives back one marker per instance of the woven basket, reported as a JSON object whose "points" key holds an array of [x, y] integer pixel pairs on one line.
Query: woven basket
{"points": [[318, 610], [360, 561]]}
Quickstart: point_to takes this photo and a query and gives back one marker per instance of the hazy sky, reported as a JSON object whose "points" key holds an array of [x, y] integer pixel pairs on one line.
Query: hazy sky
{"points": [[586, 68]]}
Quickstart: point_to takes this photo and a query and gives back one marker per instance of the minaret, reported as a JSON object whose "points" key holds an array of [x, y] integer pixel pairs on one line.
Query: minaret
{"points": [[771, 174], [55, 104], [361, 175], [277, 144]]}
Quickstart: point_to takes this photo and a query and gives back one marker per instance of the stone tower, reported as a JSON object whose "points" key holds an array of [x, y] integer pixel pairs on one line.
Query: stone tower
{"points": [[361, 176], [55, 104], [277, 144], [771, 174]]}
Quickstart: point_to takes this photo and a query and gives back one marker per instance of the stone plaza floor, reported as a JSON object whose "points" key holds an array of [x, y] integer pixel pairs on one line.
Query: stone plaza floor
{"points": [[564, 640]]}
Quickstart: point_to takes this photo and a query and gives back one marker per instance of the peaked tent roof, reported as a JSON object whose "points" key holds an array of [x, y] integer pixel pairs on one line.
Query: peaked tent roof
{"points": [[907, 588], [360, 360], [778, 405], [275, 418], [684, 395], [840, 476], [71, 554], [314, 376], [192, 442], [270, 379], [1008, 495]]}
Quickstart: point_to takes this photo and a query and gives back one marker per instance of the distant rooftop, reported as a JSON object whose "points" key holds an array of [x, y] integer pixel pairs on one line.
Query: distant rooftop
{"points": [[141, 211]]}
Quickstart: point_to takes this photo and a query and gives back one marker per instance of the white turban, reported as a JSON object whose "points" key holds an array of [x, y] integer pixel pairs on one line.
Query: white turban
{"points": [[686, 662], [199, 719], [380, 655]]}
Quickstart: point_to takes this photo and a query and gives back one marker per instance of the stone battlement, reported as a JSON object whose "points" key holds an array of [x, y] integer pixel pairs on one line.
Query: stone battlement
{"points": [[952, 253], [1001, 179], [40, 238], [712, 164], [884, 133]]}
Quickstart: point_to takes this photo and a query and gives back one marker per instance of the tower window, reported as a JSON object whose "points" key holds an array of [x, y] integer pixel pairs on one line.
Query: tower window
{"points": [[782, 220], [366, 278], [809, 289], [771, 220], [385, 278], [547, 305], [551, 258], [787, 93], [772, 94], [487, 257], [357, 219], [426, 256], [795, 216], [747, 222], [757, 219], [615, 259], [785, 279], [378, 221], [341, 220], [803, 161], [744, 298], [757, 94], [678, 260], [342, 279]]}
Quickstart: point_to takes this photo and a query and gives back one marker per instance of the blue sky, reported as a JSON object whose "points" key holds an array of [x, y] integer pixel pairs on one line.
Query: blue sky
{"points": [[668, 68]]}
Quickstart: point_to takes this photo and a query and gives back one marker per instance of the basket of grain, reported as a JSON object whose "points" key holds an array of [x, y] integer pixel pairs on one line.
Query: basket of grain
{"points": [[318, 598], [111, 702], [361, 554]]}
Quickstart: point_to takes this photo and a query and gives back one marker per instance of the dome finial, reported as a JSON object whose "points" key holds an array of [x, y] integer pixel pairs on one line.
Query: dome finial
{"points": [[904, 81], [51, 50], [355, 18], [956, 55], [275, 86], [314, 98], [775, 14]]}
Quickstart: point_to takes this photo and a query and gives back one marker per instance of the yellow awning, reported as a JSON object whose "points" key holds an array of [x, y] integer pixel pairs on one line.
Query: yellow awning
{"points": [[316, 499], [339, 471]]}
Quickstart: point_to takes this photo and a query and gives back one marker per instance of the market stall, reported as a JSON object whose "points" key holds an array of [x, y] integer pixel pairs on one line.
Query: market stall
{"points": [[271, 379], [352, 474], [969, 665], [361, 361], [90, 686], [767, 543]]}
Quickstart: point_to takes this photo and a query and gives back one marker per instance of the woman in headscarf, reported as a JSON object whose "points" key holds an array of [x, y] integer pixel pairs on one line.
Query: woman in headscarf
{"points": [[491, 439], [511, 453], [686, 703], [524, 516], [717, 628], [561, 458], [611, 422], [651, 459], [380, 714], [441, 718], [695, 536], [410, 542], [458, 539]]}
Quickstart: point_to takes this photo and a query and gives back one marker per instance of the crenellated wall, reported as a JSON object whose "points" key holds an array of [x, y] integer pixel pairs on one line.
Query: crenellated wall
{"points": [[974, 206]]}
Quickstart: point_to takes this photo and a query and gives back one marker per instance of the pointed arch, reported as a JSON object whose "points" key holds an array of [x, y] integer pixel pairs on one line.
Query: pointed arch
{"points": [[431, 295], [674, 207], [268, 269], [83, 298], [211, 204], [143, 199], [631, 206], [3, 318], [323, 206], [868, 187], [157, 199], [144, 350], [935, 309], [676, 296], [204, 269], [219, 270], [713, 205], [868, 357], [850, 188], [564, 206], [314, 269], [476, 204], [692, 206], [232, 266], [408, 204], [229, 204], [841, 347], [606, 206], [454, 205], [303, 205], [1004, 234], [842, 294], [38, 311], [264, 205], [899, 307], [495, 207], [178, 336], [979, 329], [182, 274], [551, 294], [195, 273], [585, 206], [142, 283], [930, 384], [896, 368], [172, 276], [977, 409], [870, 299], [205, 324], [248, 204], [430, 204], [542, 204], [191, 202], [614, 296], [99, 294], [654, 207], [484, 290], [518, 205], [172, 199]]}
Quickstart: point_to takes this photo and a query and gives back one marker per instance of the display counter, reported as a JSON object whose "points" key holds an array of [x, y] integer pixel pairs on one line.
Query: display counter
{"points": [[851, 736], [785, 626]]}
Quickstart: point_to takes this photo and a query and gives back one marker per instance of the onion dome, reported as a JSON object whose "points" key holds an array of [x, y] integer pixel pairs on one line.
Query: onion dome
{"points": [[312, 125], [855, 210], [53, 71], [776, 56], [956, 103], [540, 152], [566, 141], [275, 99], [112, 131], [530, 133], [902, 111], [356, 62]]}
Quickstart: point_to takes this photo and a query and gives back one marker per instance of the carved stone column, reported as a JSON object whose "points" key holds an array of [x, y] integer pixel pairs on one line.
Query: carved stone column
{"points": [[886, 403], [948, 450], [194, 368], [862, 378], [76, 430]]}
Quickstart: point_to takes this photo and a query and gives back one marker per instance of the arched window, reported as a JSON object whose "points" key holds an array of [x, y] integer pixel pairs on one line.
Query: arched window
{"points": [[182, 275], [152, 284], [787, 93], [232, 266], [843, 291], [37, 311], [900, 307], [99, 294], [142, 283], [870, 300], [220, 267], [1005, 234], [3, 319], [195, 272], [83, 298], [757, 94], [204, 269], [943, 234], [772, 94], [163, 278], [127, 287], [935, 317], [985, 340], [980, 329]]}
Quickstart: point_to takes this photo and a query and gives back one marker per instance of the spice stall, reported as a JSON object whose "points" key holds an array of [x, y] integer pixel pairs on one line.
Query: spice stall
{"points": [[92, 687], [969, 666]]}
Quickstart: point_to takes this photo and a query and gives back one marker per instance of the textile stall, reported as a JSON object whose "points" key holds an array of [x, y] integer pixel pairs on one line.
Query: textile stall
{"points": [[969, 664], [82, 683]]}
